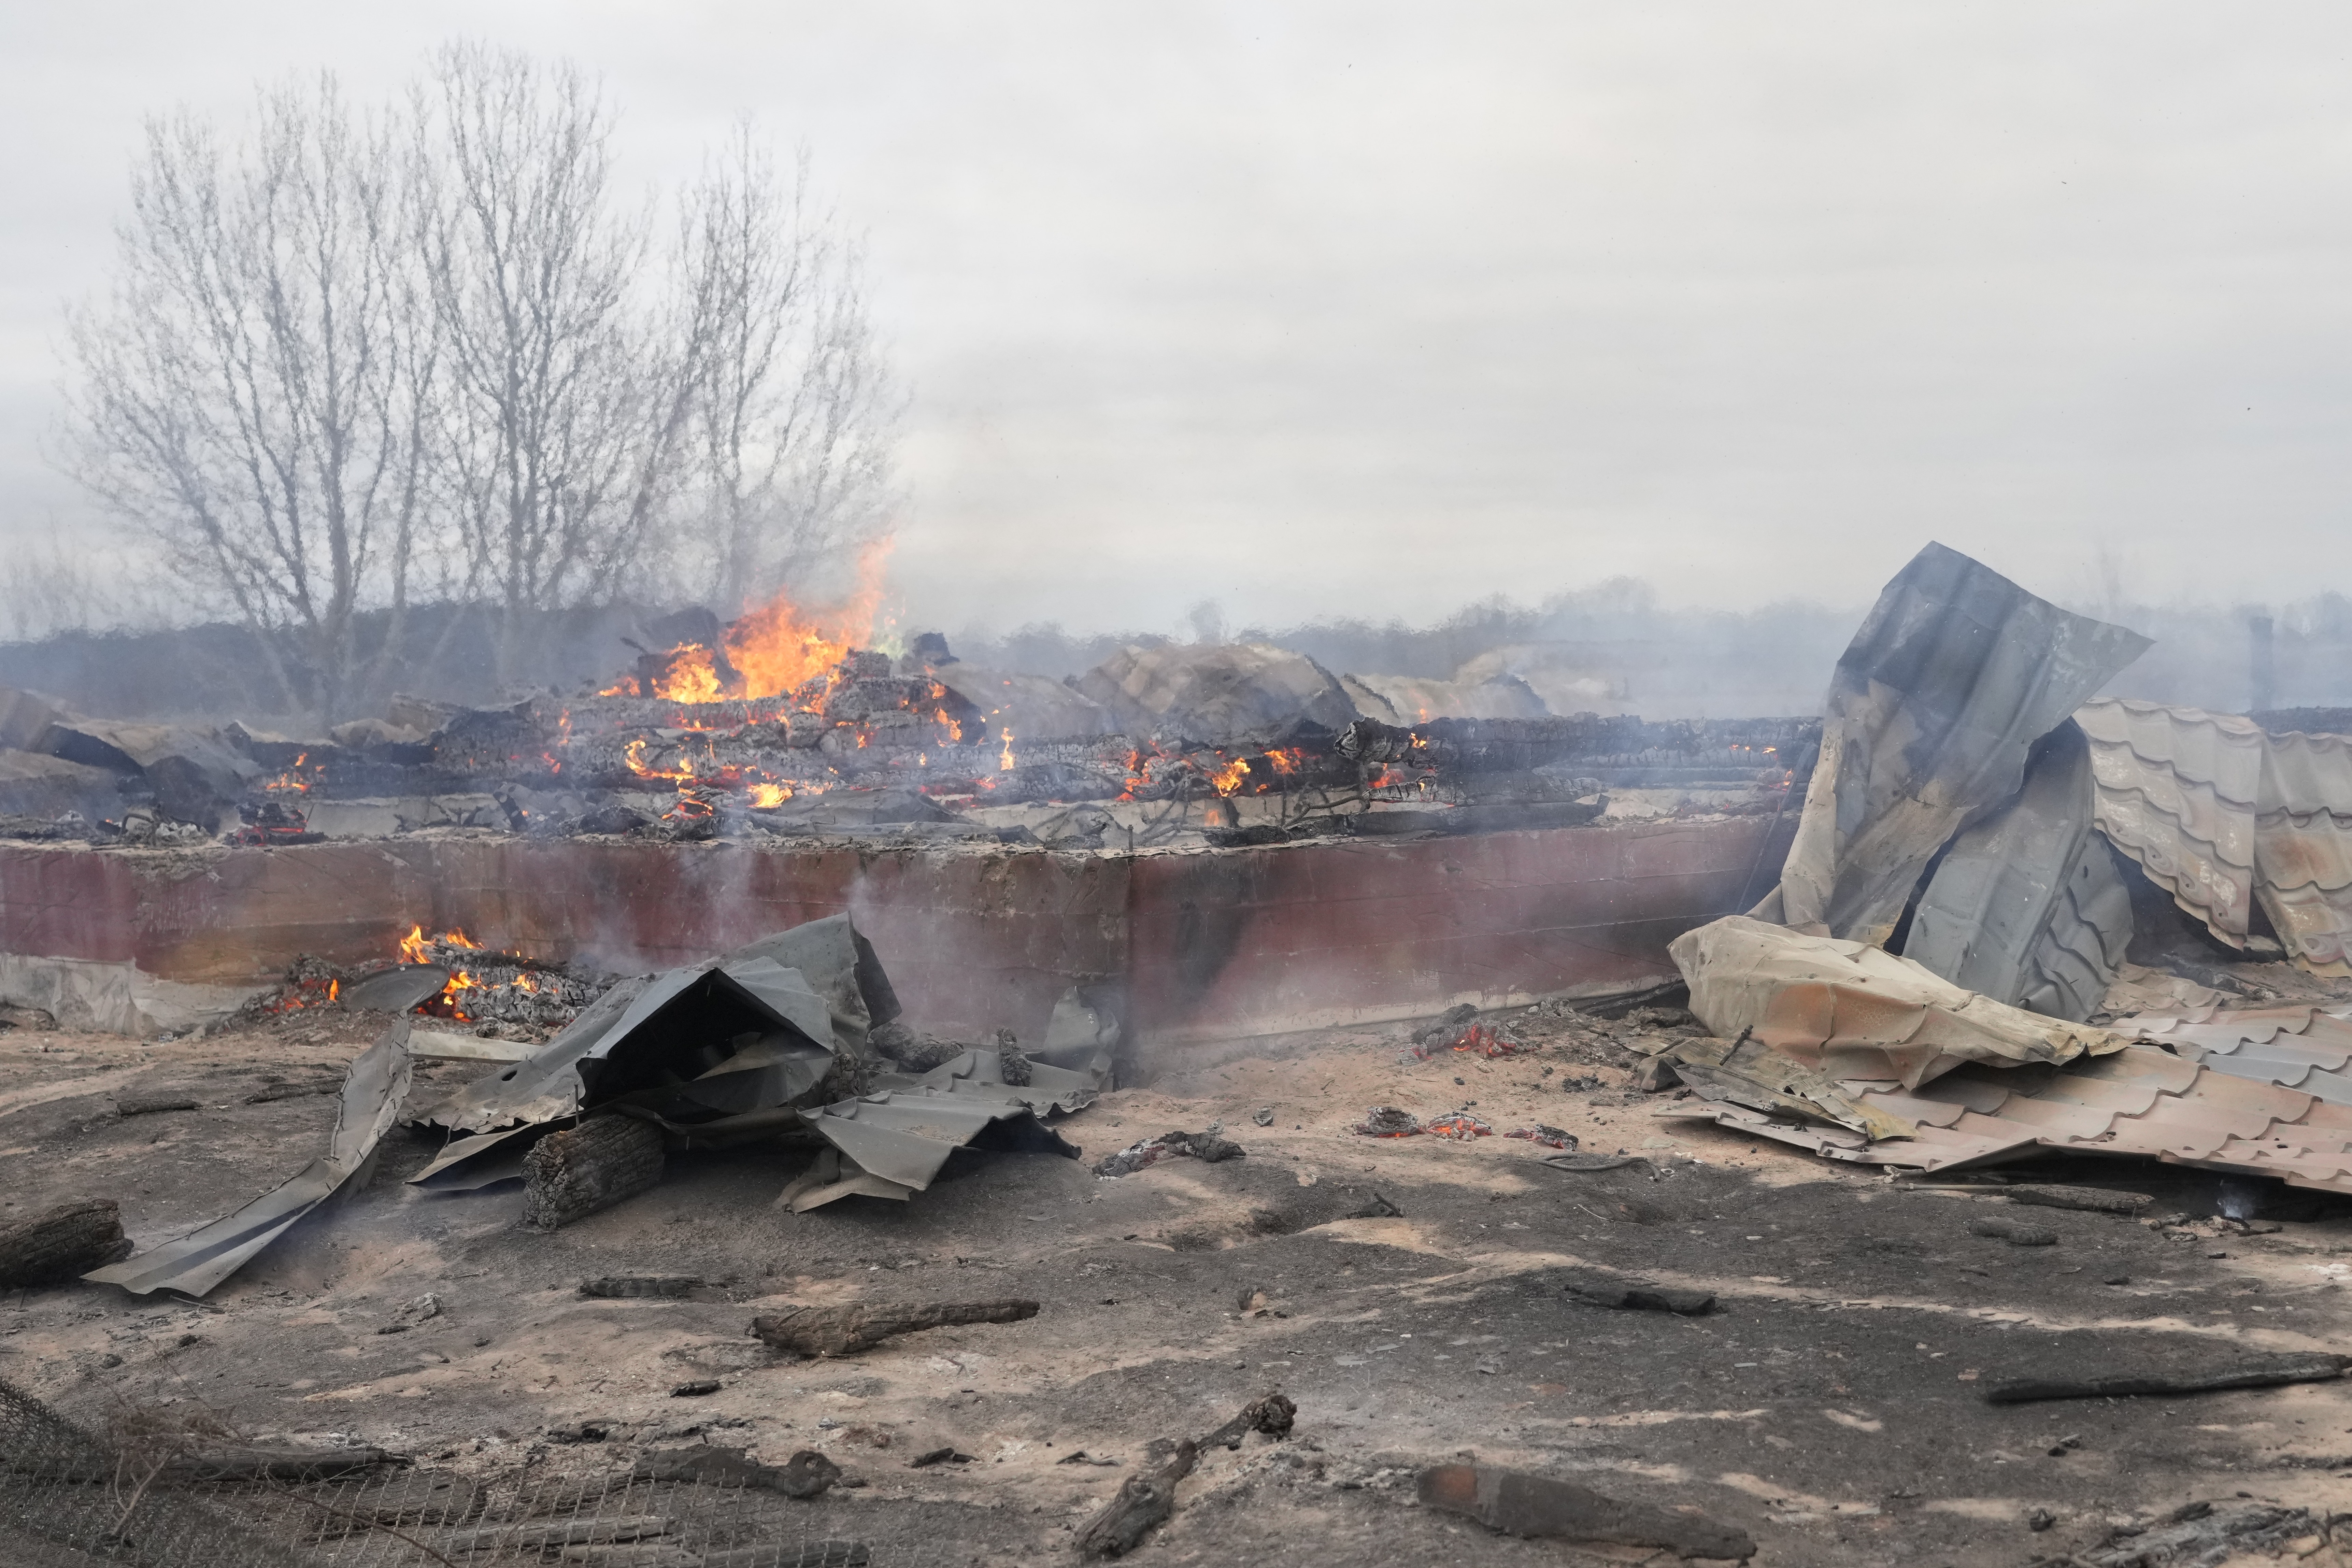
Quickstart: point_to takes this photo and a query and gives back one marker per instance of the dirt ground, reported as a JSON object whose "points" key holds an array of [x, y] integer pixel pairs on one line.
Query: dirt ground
{"points": [[1830, 1405]]}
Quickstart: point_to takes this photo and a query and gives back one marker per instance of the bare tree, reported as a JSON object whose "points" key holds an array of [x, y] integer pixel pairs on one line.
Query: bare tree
{"points": [[565, 406], [789, 464], [350, 364], [249, 395]]}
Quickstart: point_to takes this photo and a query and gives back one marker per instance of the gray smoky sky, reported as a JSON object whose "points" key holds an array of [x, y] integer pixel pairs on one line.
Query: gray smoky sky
{"points": [[1376, 308]]}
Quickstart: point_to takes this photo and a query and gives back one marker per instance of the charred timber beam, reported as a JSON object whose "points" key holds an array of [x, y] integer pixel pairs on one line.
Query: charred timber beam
{"points": [[62, 1244], [845, 1331], [570, 1176]]}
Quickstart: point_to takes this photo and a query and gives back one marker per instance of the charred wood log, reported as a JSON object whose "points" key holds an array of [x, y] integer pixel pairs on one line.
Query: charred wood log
{"points": [[1271, 1416], [1143, 1503], [570, 1176], [2113, 1381], [1519, 1503], [845, 1331], [66, 1241], [1140, 1506], [806, 1474]]}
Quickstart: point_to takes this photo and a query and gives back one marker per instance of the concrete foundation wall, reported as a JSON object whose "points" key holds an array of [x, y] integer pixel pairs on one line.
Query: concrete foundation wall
{"points": [[1207, 945]]}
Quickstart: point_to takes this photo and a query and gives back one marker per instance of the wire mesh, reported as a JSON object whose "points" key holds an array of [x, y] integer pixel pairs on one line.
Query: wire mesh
{"points": [[70, 1497]]}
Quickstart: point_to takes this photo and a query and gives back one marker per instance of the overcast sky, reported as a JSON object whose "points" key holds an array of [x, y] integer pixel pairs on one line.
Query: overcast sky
{"points": [[1377, 309]]}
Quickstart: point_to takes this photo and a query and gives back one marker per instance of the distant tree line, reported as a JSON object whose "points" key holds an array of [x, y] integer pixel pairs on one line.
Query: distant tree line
{"points": [[356, 360]]}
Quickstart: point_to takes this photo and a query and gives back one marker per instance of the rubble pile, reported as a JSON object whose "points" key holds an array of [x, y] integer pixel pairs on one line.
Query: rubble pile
{"points": [[1945, 978], [1216, 745]]}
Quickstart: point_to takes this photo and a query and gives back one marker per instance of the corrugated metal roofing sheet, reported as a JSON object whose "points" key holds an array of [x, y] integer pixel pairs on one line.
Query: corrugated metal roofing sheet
{"points": [[2306, 1049], [2176, 789], [2140, 1101], [2220, 814], [2303, 847]]}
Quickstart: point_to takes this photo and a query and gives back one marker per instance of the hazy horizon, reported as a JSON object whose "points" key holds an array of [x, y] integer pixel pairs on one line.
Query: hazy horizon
{"points": [[1326, 312]]}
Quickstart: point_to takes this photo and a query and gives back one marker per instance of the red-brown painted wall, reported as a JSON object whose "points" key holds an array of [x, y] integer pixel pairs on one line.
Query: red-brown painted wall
{"points": [[1221, 943]]}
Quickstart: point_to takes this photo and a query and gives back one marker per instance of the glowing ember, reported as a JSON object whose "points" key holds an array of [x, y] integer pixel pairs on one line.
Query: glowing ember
{"points": [[634, 756], [1476, 1041], [1388, 1121], [1458, 1124]]}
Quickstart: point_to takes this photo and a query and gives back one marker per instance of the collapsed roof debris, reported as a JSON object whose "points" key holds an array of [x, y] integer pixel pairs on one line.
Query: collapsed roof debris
{"points": [[1168, 745], [2027, 906], [2223, 816], [1955, 674], [372, 1092], [1958, 813], [773, 1037]]}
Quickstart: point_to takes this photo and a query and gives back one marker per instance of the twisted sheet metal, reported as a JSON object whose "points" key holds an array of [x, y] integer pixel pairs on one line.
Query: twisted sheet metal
{"points": [[2027, 906]]}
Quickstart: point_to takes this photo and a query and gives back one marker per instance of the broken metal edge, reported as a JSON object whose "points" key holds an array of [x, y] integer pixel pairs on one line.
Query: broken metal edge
{"points": [[195, 1262]]}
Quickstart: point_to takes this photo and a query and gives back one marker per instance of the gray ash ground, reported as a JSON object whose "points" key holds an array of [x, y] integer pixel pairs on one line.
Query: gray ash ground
{"points": [[1831, 1405]]}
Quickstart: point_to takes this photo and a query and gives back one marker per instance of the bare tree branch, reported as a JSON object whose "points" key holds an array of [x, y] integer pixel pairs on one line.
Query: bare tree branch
{"points": [[242, 399]]}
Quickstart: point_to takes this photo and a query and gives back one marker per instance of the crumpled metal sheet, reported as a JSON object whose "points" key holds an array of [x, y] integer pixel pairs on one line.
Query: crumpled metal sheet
{"points": [[1953, 674], [2221, 814], [628, 1035], [736, 1049], [2138, 1102], [372, 1089], [1847, 1009], [2027, 906]]}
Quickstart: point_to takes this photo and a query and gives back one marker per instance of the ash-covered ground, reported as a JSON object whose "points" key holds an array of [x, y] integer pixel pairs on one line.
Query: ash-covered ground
{"points": [[1830, 1405]]}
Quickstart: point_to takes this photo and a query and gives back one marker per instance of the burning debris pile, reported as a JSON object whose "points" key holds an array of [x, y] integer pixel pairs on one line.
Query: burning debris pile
{"points": [[448, 977], [770, 728]]}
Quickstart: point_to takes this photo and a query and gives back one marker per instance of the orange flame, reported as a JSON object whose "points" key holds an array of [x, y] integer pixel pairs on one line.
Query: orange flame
{"points": [[1288, 760], [1228, 779], [634, 756], [779, 648], [767, 797], [1004, 762], [692, 677]]}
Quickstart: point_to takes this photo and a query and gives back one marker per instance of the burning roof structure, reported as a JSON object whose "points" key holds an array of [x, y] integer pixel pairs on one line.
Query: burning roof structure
{"points": [[769, 727]]}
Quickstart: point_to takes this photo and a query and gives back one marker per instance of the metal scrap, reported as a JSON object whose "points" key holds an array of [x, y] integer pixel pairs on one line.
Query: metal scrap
{"points": [[1847, 1009], [196, 1263], [2221, 815], [1955, 674], [774, 1039], [2027, 905]]}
